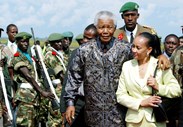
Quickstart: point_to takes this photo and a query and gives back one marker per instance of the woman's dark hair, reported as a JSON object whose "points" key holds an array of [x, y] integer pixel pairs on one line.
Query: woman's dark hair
{"points": [[153, 42]]}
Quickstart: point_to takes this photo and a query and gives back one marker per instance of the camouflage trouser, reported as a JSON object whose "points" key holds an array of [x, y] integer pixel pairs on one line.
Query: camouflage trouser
{"points": [[42, 110], [54, 117], [26, 115], [6, 121]]}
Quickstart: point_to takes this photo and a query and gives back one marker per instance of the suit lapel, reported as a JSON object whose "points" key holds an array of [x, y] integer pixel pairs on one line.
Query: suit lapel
{"points": [[135, 72]]}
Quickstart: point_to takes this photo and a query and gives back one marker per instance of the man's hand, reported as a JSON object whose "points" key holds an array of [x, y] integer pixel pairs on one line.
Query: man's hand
{"points": [[70, 112], [5, 110], [13, 103], [163, 63], [63, 119]]}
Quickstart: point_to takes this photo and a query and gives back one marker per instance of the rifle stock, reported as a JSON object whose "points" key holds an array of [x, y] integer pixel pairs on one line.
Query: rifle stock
{"points": [[47, 81]]}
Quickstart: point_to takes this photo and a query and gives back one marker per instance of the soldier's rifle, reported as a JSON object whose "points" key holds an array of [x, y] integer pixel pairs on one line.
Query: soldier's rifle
{"points": [[43, 70], [10, 116]]}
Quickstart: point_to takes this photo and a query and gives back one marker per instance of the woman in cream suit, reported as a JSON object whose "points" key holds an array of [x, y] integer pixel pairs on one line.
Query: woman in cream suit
{"points": [[136, 83]]}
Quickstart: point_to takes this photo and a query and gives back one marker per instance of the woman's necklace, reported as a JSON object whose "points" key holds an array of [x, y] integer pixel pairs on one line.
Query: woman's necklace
{"points": [[142, 69]]}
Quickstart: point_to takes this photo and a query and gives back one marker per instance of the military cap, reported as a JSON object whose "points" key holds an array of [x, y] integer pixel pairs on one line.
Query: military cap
{"points": [[23, 35], [79, 37], [129, 6], [68, 34], [55, 37]]}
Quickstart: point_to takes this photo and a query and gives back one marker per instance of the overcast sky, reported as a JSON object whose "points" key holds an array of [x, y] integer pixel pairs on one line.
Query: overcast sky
{"points": [[48, 16]]}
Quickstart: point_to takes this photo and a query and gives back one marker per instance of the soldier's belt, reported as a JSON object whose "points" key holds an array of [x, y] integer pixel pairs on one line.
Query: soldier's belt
{"points": [[56, 81], [27, 85]]}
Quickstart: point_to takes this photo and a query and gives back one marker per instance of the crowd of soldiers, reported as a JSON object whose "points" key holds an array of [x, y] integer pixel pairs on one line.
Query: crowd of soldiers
{"points": [[50, 85]]}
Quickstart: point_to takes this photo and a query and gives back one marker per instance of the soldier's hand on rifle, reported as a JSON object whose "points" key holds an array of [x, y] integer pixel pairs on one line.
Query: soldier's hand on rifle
{"points": [[13, 103], [47, 94]]}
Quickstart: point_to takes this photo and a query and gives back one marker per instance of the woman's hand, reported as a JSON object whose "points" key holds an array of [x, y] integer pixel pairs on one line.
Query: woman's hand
{"points": [[151, 81], [152, 101]]}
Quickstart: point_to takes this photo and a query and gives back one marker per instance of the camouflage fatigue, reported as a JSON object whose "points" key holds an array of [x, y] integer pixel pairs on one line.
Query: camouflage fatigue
{"points": [[26, 98], [6, 55], [42, 109], [177, 63], [67, 54], [52, 61], [1, 92], [26, 114]]}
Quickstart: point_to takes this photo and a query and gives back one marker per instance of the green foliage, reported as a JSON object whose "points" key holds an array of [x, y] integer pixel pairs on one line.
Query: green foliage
{"points": [[74, 44], [3, 40]]}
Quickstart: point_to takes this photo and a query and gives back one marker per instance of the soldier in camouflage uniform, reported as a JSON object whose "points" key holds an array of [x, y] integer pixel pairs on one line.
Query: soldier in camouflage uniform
{"points": [[28, 83], [67, 40], [1, 91], [177, 67], [177, 63], [53, 61]]}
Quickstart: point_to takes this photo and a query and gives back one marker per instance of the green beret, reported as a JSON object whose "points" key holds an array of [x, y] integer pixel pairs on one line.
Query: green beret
{"points": [[129, 6], [68, 34], [23, 35], [79, 37], [55, 37]]}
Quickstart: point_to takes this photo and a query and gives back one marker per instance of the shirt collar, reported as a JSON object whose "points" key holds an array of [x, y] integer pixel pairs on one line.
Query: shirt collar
{"points": [[10, 43], [164, 53], [129, 32], [101, 45]]}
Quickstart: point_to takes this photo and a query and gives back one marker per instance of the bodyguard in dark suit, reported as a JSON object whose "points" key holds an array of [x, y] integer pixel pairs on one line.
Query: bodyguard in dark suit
{"points": [[90, 32]]}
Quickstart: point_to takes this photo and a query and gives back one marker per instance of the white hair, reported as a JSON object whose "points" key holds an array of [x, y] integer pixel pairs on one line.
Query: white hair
{"points": [[105, 15]]}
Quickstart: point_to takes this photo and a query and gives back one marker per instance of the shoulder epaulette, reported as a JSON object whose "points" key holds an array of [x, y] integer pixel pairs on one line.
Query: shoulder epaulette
{"points": [[151, 29]]}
